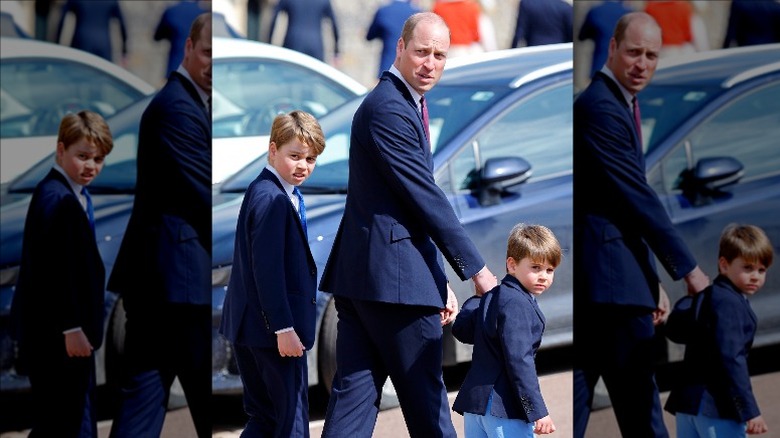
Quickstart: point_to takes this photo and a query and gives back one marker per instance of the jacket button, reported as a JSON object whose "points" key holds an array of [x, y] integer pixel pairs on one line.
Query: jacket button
{"points": [[314, 301]]}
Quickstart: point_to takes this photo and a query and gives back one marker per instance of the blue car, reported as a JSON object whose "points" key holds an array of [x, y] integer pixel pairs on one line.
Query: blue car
{"points": [[712, 128], [501, 131]]}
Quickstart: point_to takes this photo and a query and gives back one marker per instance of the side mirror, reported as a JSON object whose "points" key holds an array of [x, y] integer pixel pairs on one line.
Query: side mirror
{"points": [[708, 177], [499, 173]]}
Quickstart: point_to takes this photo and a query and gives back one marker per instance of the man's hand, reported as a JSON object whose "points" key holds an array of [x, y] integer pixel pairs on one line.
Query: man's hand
{"points": [[757, 426], [696, 280], [661, 313], [544, 426], [449, 313], [77, 344], [484, 280], [289, 344]]}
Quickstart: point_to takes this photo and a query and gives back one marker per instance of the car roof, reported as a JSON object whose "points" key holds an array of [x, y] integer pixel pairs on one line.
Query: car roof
{"points": [[723, 68], [19, 48], [510, 67], [225, 48]]}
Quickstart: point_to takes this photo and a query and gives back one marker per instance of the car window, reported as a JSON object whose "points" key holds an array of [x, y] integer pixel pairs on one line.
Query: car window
{"points": [[249, 94], [34, 99], [747, 128], [537, 128]]}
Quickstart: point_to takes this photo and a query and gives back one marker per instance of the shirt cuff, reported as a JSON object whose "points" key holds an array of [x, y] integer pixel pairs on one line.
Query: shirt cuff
{"points": [[73, 330], [284, 330]]}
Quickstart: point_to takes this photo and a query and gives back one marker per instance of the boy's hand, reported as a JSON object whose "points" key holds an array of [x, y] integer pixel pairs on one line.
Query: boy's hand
{"points": [[289, 344], [543, 426], [77, 344], [757, 426], [661, 313], [449, 313]]}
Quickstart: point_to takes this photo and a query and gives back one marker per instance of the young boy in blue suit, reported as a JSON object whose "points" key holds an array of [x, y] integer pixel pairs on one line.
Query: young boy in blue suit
{"points": [[58, 304], [270, 307], [500, 395], [713, 396]]}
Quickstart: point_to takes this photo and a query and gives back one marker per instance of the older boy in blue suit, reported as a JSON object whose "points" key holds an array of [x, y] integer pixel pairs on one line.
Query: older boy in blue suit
{"points": [[163, 269], [384, 270], [619, 224], [59, 297], [500, 395], [270, 306]]}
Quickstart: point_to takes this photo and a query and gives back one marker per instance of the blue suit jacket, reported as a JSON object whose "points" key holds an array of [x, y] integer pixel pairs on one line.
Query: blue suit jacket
{"points": [[61, 275], [93, 31], [618, 218], [273, 284], [166, 251], [506, 327], [543, 22], [387, 25], [395, 216], [715, 379], [304, 25]]}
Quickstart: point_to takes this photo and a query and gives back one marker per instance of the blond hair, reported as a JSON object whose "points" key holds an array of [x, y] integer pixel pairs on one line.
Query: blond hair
{"points": [[299, 125], [87, 125], [535, 242], [746, 241]]}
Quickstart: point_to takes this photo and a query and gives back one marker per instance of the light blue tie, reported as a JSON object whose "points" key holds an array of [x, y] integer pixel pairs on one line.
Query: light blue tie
{"points": [[301, 210], [90, 209]]}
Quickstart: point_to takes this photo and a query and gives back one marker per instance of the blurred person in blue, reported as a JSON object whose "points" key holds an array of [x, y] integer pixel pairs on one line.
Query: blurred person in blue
{"points": [[92, 32], [163, 269], [500, 395], [753, 22], [713, 396], [386, 25], [304, 26], [174, 26], [543, 22], [58, 307], [598, 26]]}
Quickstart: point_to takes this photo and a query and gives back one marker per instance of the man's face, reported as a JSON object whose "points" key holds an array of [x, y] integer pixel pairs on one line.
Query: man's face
{"points": [[421, 61], [634, 60], [197, 58]]}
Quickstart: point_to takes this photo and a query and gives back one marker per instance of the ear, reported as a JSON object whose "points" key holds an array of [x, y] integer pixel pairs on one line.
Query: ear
{"points": [[272, 150], [511, 265], [723, 265], [60, 150]]}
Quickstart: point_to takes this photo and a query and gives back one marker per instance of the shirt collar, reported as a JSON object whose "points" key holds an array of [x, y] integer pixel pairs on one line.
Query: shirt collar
{"points": [[415, 95], [73, 185], [626, 94], [203, 95], [288, 188]]}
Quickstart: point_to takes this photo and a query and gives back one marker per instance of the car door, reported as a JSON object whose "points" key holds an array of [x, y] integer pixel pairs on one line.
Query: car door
{"points": [[744, 126], [537, 126]]}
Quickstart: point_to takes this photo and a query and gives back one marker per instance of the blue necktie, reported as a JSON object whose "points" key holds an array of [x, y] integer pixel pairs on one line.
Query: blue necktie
{"points": [[301, 210], [90, 210]]}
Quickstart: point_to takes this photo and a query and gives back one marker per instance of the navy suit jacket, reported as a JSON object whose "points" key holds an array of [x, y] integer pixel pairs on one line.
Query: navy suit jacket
{"points": [[387, 25], [716, 380], [304, 25], [543, 22], [273, 284], [61, 275], [618, 218], [166, 251], [506, 327], [395, 216]]}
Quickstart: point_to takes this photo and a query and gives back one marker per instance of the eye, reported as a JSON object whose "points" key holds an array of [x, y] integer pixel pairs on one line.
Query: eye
{"points": [[311, 160]]}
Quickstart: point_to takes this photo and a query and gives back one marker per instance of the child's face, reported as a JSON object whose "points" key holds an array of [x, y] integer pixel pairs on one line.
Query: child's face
{"points": [[535, 277], [82, 161], [293, 161], [746, 276]]}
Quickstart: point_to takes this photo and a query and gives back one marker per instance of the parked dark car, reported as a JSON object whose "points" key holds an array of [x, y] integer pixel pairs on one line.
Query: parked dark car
{"points": [[712, 124], [501, 132]]}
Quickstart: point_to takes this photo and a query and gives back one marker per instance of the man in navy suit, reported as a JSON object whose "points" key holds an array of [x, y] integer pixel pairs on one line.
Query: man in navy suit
{"points": [[58, 307], [271, 302], [384, 269], [163, 267], [619, 225], [386, 25], [543, 22]]}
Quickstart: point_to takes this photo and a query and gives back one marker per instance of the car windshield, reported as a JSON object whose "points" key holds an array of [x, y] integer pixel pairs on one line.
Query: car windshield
{"points": [[450, 108], [664, 108], [248, 94], [34, 100]]}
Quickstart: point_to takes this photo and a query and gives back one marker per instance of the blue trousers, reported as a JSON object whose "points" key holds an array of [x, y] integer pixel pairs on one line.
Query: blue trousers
{"points": [[488, 426], [699, 426]]}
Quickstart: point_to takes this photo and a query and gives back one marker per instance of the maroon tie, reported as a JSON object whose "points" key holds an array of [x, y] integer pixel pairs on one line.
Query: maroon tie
{"points": [[425, 118], [637, 120]]}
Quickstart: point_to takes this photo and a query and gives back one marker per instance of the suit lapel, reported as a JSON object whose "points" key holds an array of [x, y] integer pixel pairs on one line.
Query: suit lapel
{"points": [[401, 87], [512, 283], [266, 174], [614, 88], [190, 88]]}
